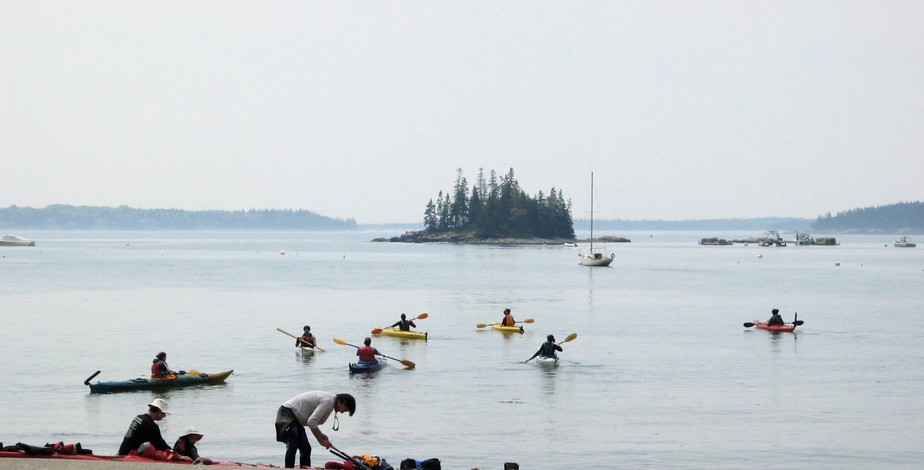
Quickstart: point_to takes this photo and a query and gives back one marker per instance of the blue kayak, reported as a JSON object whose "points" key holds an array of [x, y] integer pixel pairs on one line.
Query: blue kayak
{"points": [[361, 367], [188, 379]]}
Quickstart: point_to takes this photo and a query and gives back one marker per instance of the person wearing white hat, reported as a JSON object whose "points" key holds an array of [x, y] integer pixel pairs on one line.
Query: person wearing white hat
{"points": [[144, 430], [186, 445]]}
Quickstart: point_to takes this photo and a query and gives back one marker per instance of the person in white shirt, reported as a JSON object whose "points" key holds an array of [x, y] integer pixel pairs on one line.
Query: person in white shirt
{"points": [[309, 409]]}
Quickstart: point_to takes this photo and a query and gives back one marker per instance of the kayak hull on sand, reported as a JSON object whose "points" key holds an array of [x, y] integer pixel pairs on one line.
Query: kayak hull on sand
{"points": [[402, 334], [363, 367], [776, 328], [144, 383], [117, 458]]}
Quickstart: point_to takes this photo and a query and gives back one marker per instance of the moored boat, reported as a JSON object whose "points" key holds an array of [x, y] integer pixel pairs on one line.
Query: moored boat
{"points": [[189, 379], [13, 240], [361, 367], [781, 328], [507, 329], [395, 332], [903, 242], [594, 257]]}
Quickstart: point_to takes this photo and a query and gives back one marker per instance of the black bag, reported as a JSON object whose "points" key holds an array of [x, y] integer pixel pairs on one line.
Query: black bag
{"points": [[430, 464]]}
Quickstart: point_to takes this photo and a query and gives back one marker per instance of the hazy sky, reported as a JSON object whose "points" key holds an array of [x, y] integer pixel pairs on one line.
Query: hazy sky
{"points": [[683, 109]]}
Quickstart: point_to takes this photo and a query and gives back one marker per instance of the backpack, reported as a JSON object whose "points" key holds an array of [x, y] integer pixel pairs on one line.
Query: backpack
{"points": [[429, 464]]}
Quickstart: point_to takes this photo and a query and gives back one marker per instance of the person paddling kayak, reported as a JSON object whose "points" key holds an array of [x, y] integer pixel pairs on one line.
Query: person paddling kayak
{"points": [[403, 324], [548, 348], [306, 339], [159, 368], [508, 318], [775, 318], [367, 353]]}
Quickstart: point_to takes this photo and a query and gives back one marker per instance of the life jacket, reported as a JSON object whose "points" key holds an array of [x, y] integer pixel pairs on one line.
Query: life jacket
{"points": [[367, 353], [159, 370]]}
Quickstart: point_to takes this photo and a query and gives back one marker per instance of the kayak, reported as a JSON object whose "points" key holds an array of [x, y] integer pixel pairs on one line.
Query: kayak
{"points": [[131, 458], [778, 328], [362, 367], [546, 361], [303, 351], [507, 329], [392, 331], [189, 379]]}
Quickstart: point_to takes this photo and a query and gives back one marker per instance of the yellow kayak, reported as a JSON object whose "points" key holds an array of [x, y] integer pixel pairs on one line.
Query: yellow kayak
{"points": [[402, 334], [507, 329]]}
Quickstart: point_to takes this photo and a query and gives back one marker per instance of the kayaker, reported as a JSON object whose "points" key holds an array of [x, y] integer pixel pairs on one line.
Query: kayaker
{"points": [[403, 324], [144, 431], [306, 339], [186, 445], [309, 409], [508, 318], [548, 348], [159, 368], [775, 318], [367, 353]]}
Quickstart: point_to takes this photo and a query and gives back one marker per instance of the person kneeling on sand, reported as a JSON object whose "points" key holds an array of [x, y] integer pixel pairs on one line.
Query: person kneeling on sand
{"points": [[143, 435]]}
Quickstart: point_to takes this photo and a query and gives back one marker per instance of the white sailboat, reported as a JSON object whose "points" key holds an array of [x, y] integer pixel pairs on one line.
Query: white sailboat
{"points": [[594, 257]]}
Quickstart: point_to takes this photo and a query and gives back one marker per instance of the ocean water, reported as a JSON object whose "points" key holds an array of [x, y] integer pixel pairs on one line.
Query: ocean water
{"points": [[662, 373]]}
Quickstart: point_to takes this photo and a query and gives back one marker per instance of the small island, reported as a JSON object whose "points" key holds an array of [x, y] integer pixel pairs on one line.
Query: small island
{"points": [[496, 211]]}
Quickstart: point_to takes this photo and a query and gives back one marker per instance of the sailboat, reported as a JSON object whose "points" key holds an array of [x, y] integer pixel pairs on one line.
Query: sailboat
{"points": [[592, 257]]}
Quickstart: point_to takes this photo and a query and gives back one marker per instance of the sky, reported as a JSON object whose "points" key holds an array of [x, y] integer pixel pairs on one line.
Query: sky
{"points": [[365, 110]]}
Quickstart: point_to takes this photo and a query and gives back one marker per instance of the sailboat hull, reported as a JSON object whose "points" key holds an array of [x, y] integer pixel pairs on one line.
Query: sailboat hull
{"points": [[596, 259]]}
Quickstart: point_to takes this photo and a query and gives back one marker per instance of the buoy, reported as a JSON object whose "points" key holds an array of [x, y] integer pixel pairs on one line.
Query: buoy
{"points": [[837, 263]]}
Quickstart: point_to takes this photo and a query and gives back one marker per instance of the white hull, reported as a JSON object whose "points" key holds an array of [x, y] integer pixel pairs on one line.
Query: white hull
{"points": [[302, 351], [904, 243], [547, 361], [13, 240], [596, 259]]}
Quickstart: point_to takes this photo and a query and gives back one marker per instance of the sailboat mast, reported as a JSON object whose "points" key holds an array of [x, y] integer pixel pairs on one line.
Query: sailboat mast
{"points": [[591, 212]]}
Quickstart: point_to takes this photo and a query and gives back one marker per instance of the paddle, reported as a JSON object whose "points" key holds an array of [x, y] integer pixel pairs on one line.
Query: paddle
{"points": [[408, 364], [422, 316], [87, 382], [296, 337], [482, 325], [357, 463], [570, 337]]}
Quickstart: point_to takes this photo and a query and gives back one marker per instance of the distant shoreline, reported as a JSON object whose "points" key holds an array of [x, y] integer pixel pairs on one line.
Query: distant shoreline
{"points": [[420, 236]]}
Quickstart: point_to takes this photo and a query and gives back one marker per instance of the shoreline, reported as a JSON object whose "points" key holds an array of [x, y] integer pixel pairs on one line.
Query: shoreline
{"points": [[472, 239]]}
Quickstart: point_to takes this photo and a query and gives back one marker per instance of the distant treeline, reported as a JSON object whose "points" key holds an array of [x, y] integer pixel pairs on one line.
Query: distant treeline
{"points": [[498, 208], [127, 218], [892, 218]]}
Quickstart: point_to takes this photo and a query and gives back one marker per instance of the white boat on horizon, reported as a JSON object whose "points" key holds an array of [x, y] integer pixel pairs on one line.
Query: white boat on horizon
{"points": [[13, 240], [594, 257], [903, 242]]}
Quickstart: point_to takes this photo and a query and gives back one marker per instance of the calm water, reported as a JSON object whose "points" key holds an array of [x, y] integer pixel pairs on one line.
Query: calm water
{"points": [[662, 374]]}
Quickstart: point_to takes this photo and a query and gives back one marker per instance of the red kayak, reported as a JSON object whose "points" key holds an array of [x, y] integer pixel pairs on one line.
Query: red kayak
{"points": [[768, 327]]}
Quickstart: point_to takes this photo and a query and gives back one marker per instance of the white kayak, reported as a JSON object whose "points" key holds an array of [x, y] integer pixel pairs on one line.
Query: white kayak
{"points": [[302, 351], [546, 361]]}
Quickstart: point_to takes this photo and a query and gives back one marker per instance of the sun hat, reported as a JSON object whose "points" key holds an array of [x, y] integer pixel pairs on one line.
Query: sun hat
{"points": [[192, 430], [160, 404]]}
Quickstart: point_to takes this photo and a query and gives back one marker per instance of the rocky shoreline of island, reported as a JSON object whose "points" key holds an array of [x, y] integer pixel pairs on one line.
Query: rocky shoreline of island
{"points": [[471, 238]]}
